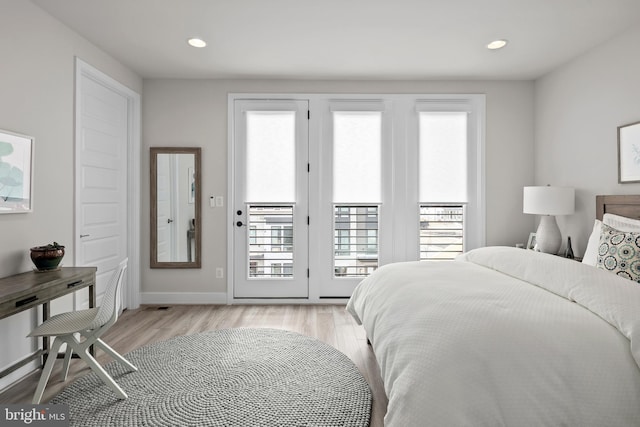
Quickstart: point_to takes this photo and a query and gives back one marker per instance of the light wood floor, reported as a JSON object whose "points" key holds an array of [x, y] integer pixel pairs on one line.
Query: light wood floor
{"points": [[136, 328]]}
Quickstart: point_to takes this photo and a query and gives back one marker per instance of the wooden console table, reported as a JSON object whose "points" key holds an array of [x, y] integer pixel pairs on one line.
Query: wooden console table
{"points": [[27, 290]]}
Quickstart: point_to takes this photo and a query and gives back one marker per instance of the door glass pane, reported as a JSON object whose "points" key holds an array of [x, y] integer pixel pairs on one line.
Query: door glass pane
{"points": [[270, 241], [357, 138], [270, 156], [441, 232], [443, 157], [355, 240]]}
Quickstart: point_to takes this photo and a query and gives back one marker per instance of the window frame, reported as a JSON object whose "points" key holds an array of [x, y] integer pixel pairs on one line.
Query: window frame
{"points": [[474, 207]]}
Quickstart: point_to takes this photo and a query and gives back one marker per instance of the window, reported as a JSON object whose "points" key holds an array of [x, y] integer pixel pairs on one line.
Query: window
{"points": [[447, 159], [253, 236], [282, 237], [441, 231], [357, 178], [356, 241], [343, 237], [270, 241], [281, 270], [372, 241]]}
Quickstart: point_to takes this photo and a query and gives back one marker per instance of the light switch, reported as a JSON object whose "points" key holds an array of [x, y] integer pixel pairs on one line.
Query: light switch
{"points": [[219, 201], [212, 201]]}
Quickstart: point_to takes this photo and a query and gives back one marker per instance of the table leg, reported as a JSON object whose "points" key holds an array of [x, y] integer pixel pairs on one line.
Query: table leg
{"points": [[92, 304], [46, 313]]}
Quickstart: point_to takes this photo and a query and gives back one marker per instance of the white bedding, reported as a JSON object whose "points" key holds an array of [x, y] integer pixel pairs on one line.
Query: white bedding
{"points": [[504, 337]]}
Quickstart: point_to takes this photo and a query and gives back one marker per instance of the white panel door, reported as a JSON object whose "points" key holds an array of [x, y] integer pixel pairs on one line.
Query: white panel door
{"points": [[271, 154], [101, 179]]}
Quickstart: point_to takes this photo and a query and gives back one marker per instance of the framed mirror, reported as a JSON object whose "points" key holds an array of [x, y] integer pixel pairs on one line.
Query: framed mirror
{"points": [[176, 233]]}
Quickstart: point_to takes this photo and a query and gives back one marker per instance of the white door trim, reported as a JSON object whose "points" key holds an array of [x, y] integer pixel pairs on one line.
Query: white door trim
{"points": [[132, 292]]}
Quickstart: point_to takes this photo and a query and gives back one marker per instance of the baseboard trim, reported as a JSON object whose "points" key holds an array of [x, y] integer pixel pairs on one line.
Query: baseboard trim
{"points": [[183, 298], [168, 298], [18, 375]]}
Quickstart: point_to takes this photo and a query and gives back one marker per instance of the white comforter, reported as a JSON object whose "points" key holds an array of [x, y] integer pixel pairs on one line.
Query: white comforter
{"points": [[504, 337]]}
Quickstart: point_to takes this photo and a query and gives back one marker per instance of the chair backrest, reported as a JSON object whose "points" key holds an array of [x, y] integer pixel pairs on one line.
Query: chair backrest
{"points": [[108, 311]]}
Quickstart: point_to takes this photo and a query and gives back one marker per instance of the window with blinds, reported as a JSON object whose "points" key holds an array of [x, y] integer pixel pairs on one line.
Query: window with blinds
{"points": [[443, 181], [357, 178]]}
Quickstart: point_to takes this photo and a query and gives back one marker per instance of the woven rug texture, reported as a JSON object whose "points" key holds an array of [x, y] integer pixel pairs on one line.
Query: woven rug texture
{"points": [[231, 377]]}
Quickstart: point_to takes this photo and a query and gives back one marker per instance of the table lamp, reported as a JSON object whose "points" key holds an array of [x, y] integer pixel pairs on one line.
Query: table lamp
{"points": [[548, 201]]}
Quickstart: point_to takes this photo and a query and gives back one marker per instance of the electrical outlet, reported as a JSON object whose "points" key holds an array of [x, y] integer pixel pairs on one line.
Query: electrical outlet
{"points": [[219, 273]]}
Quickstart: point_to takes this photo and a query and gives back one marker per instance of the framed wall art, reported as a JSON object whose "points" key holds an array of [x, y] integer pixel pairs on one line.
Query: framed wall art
{"points": [[16, 174], [629, 153]]}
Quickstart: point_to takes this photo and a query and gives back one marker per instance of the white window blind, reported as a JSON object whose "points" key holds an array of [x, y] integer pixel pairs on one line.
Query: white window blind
{"points": [[442, 148], [270, 155], [357, 147]]}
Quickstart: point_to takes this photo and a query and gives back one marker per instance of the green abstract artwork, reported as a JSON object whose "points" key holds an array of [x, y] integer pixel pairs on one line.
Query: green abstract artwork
{"points": [[15, 172]]}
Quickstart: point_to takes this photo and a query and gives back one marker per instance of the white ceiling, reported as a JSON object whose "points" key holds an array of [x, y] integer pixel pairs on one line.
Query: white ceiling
{"points": [[345, 39]]}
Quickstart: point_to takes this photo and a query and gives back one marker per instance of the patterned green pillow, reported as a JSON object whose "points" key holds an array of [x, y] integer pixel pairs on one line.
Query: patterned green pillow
{"points": [[619, 252]]}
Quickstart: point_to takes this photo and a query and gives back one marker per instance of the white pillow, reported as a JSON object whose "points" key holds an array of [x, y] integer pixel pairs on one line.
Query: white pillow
{"points": [[622, 223], [591, 253], [616, 221]]}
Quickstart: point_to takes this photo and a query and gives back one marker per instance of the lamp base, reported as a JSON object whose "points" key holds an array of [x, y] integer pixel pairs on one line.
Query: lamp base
{"points": [[548, 237]]}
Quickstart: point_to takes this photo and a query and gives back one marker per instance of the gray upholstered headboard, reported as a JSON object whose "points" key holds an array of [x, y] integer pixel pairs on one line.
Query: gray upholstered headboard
{"points": [[623, 205]]}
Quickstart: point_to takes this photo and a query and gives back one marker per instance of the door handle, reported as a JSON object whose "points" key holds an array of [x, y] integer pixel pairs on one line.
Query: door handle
{"points": [[169, 221], [84, 235]]}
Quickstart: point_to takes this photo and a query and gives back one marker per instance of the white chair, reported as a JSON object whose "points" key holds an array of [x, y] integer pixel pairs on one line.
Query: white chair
{"points": [[90, 325]]}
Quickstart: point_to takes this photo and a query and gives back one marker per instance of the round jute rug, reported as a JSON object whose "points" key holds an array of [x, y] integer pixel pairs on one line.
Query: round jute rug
{"points": [[231, 377]]}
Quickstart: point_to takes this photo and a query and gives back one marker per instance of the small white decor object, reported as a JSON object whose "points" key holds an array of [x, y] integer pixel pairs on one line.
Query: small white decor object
{"points": [[548, 202]]}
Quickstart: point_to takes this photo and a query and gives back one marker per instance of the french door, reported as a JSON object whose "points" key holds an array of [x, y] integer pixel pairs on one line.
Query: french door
{"points": [[327, 188], [271, 190]]}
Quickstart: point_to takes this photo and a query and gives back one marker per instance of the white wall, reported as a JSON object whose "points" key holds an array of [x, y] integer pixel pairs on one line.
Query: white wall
{"points": [[37, 99], [577, 110], [194, 113]]}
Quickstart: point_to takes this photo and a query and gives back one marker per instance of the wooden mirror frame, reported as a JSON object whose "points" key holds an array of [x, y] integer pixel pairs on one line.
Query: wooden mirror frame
{"points": [[154, 151]]}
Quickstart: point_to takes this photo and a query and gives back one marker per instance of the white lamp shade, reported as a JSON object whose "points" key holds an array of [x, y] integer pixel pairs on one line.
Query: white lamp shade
{"points": [[547, 200]]}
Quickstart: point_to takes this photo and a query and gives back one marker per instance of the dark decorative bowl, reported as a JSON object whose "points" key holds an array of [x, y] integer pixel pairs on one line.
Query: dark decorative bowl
{"points": [[46, 258]]}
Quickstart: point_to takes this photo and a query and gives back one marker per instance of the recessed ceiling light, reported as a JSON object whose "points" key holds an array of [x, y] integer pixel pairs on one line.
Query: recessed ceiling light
{"points": [[497, 44], [195, 42]]}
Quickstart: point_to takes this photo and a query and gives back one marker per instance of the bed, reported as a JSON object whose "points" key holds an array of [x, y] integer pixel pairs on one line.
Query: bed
{"points": [[508, 337]]}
